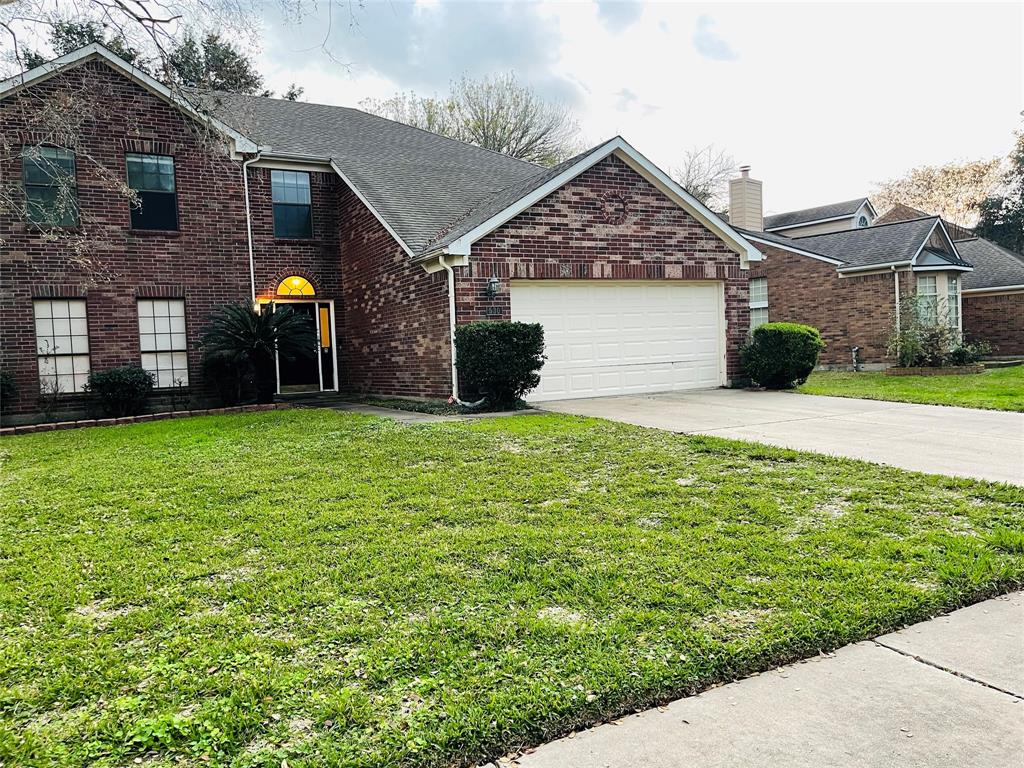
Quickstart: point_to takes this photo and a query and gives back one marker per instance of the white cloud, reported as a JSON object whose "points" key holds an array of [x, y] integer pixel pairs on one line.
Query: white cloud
{"points": [[823, 101], [709, 44]]}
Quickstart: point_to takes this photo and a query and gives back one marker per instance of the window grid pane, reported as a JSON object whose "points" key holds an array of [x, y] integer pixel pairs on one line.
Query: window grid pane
{"points": [[62, 345], [150, 173], [758, 316], [928, 299], [51, 195], [162, 341]]}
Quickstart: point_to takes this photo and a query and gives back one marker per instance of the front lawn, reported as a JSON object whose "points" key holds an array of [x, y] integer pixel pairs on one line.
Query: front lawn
{"points": [[998, 389], [319, 588]]}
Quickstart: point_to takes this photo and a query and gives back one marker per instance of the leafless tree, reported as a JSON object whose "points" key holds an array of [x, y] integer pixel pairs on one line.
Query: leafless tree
{"points": [[497, 113], [705, 173], [954, 191]]}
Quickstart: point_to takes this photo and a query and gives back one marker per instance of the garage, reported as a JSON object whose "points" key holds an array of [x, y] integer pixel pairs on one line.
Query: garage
{"points": [[616, 338]]}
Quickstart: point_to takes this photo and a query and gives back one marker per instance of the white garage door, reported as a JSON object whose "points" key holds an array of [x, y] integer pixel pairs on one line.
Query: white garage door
{"points": [[616, 338]]}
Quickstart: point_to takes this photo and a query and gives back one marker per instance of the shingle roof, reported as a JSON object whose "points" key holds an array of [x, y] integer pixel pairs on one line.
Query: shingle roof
{"points": [[903, 212], [895, 242], [780, 240], [419, 182], [994, 266], [506, 197], [830, 211]]}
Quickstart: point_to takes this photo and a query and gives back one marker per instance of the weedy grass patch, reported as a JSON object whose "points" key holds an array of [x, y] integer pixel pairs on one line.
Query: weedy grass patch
{"points": [[334, 589]]}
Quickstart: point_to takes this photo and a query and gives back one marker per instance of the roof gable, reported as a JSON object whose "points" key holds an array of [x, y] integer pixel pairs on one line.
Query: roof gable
{"points": [[96, 52], [517, 198]]}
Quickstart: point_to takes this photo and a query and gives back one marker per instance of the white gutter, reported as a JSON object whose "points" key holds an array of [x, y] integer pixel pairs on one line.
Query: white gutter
{"points": [[248, 222], [994, 289], [869, 267]]}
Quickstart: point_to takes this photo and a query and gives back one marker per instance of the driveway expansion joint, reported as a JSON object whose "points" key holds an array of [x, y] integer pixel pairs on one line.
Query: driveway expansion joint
{"points": [[947, 670]]}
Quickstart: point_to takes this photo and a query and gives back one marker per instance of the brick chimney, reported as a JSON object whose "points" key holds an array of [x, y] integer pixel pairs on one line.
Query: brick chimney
{"points": [[745, 204]]}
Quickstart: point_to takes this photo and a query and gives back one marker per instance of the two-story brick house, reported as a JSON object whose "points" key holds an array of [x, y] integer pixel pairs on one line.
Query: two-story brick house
{"points": [[386, 234]]}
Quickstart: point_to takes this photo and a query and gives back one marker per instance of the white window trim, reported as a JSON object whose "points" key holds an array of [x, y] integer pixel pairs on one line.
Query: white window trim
{"points": [[172, 349], [53, 354]]}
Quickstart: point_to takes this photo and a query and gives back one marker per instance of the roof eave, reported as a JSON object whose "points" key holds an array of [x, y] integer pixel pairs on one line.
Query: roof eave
{"points": [[995, 289]]}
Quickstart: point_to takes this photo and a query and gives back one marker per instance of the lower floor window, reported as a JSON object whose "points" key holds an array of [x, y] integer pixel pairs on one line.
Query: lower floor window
{"points": [[162, 341], [62, 345], [758, 301]]}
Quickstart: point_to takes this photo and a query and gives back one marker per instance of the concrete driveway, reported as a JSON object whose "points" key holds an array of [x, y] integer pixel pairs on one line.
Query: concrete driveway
{"points": [[964, 442]]}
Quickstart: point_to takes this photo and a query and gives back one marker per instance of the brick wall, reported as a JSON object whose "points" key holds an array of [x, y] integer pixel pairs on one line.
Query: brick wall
{"points": [[396, 315], [579, 231], [205, 262], [997, 319], [849, 311]]}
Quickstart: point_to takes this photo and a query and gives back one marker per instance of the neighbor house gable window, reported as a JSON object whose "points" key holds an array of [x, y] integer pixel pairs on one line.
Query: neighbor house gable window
{"points": [[928, 299], [758, 301], [162, 341], [953, 300], [152, 179], [62, 345], [293, 211], [51, 190]]}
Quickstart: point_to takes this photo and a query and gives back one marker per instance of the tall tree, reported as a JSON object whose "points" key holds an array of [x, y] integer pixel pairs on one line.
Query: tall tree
{"points": [[497, 113], [954, 190], [67, 35], [213, 63], [705, 173], [1001, 217]]}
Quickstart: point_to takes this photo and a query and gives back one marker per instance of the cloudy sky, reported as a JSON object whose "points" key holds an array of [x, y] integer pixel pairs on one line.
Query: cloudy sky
{"points": [[821, 100]]}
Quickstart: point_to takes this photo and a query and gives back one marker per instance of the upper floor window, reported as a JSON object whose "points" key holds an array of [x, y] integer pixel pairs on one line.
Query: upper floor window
{"points": [[293, 215], [758, 301], [152, 178], [51, 192], [862, 222], [928, 299], [62, 345]]}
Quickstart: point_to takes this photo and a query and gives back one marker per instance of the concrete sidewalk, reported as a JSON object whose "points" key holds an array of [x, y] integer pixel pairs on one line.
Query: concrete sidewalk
{"points": [[964, 442], [947, 692]]}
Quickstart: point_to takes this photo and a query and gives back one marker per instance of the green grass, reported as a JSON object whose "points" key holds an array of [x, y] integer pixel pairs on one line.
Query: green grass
{"points": [[331, 589], [998, 389]]}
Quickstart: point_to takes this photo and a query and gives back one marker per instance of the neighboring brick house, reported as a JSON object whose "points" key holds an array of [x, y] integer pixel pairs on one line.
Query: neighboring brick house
{"points": [[849, 281], [386, 235]]}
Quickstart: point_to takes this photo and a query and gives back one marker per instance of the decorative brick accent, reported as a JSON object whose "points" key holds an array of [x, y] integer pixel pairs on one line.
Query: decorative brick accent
{"points": [[997, 319], [26, 429], [954, 370], [570, 234]]}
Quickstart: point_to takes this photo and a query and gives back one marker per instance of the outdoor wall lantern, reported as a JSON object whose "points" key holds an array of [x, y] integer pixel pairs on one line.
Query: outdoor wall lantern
{"points": [[492, 287]]}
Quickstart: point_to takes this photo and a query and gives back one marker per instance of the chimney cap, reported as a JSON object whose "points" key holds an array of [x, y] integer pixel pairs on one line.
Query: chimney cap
{"points": [[745, 171]]}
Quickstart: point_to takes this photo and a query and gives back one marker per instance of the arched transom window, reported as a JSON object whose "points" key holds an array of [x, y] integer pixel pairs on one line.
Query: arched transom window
{"points": [[295, 286]]}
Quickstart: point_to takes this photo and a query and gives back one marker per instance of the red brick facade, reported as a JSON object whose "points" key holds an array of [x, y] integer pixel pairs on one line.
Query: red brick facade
{"points": [[568, 235], [997, 319], [391, 316]]}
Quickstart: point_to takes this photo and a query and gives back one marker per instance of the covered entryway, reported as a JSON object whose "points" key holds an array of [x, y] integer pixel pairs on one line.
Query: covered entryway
{"points": [[318, 373], [608, 337]]}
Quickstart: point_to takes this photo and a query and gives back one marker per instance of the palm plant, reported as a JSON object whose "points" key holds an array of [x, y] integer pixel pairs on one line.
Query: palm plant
{"points": [[245, 338]]}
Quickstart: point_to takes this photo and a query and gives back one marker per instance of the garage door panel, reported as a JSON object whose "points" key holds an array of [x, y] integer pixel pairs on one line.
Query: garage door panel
{"points": [[605, 338]]}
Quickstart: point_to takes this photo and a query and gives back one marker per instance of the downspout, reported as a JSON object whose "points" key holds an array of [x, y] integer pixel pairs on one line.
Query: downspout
{"points": [[248, 222], [896, 283], [451, 336]]}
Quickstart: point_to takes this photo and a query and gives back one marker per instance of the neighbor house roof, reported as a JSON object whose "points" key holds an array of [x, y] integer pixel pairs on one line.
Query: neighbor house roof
{"points": [[902, 212], [896, 243], [818, 213], [994, 266], [785, 243]]}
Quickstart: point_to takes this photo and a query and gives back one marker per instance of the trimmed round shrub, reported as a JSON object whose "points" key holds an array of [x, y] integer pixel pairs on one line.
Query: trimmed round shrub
{"points": [[121, 391], [500, 360], [781, 355]]}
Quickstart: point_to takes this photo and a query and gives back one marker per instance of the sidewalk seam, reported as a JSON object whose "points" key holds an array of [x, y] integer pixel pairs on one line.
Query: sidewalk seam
{"points": [[953, 672]]}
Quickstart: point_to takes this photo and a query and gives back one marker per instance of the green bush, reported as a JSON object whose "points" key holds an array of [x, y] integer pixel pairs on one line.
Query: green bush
{"points": [[968, 353], [500, 360], [121, 391], [8, 389], [781, 355]]}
